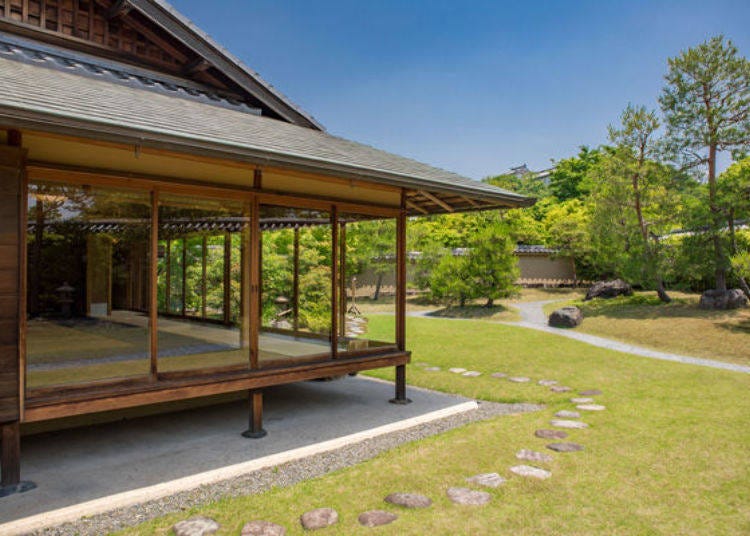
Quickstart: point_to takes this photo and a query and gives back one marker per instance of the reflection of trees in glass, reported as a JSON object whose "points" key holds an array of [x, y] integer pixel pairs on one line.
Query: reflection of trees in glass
{"points": [[371, 246]]}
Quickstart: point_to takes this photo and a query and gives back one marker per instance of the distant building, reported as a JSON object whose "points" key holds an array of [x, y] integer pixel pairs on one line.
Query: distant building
{"points": [[523, 171]]}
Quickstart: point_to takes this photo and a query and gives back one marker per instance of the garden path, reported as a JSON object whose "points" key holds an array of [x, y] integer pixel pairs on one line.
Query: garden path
{"points": [[533, 317]]}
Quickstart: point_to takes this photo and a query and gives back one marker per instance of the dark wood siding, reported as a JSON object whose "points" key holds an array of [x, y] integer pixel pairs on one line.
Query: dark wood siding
{"points": [[10, 189]]}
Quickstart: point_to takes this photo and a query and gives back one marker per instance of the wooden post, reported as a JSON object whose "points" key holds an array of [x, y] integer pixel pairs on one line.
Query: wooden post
{"points": [[255, 430], [204, 268], [227, 278], [168, 288], [184, 274], [342, 280], [153, 278], [295, 284], [334, 282], [255, 306], [401, 301], [10, 462]]}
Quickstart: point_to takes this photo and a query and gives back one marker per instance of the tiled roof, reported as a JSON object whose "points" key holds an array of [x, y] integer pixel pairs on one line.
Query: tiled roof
{"points": [[46, 94]]}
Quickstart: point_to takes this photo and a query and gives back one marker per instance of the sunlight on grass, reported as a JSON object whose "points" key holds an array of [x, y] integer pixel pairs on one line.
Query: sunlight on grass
{"points": [[665, 458]]}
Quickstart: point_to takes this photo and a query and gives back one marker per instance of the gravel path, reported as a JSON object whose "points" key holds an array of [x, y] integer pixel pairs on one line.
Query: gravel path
{"points": [[533, 317], [280, 476]]}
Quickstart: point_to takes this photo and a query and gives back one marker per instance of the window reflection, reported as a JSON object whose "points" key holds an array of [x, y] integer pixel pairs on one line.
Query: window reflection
{"points": [[203, 283], [88, 283]]}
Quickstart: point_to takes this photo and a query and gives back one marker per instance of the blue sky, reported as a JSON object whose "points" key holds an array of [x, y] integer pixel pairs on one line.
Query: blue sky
{"points": [[474, 87]]}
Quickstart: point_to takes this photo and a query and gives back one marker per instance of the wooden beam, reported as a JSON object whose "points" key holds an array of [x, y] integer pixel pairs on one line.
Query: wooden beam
{"points": [[198, 65], [470, 201], [257, 179], [119, 9], [437, 201], [416, 207], [149, 34], [15, 138]]}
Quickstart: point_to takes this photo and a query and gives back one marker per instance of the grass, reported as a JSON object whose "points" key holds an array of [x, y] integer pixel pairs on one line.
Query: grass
{"points": [[665, 458], [679, 327]]}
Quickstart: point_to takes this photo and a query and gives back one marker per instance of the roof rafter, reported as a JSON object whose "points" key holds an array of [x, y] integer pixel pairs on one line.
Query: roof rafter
{"points": [[439, 202]]}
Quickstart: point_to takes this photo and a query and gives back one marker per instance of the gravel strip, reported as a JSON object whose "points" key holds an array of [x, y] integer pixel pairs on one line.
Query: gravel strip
{"points": [[280, 476]]}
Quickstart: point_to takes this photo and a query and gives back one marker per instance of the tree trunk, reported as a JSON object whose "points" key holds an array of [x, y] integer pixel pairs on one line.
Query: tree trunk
{"points": [[490, 303], [377, 288], [720, 270], [662, 292], [744, 286], [462, 301]]}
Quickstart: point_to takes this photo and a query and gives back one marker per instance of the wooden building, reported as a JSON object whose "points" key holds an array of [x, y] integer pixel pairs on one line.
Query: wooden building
{"points": [[162, 207]]}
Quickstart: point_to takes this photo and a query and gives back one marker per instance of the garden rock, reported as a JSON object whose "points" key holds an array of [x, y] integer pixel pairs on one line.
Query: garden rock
{"points": [[560, 389], [562, 423], [432, 369], [457, 370], [547, 383], [609, 289], [584, 400], [591, 407], [409, 500], [590, 392], [489, 480], [722, 300], [533, 456], [195, 526], [519, 379], [376, 518], [566, 414], [565, 447], [471, 374], [262, 528], [468, 496], [567, 317], [551, 434], [319, 518], [498, 375], [529, 471]]}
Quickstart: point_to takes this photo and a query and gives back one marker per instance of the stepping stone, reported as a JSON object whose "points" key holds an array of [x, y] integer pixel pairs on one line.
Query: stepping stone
{"points": [[432, 369], [262, 528], [581, 400], [591, 407], [457, 370], [547, 383], [551, 434], [560, 389], [471, 373], [195, 526], [421, 364], [519, 379], [409, 500], [468, 496], [498, 375], [490, 480], [566, 414], [376, 518], [319, 518], [533, 456], [590, 392], [565, 447], [562, 423], [529, 471]]}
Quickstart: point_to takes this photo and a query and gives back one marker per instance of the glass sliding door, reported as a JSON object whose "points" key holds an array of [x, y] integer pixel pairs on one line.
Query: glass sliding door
{"points": [[87, 283], [296, 286], [203, 283], [367, 284]]}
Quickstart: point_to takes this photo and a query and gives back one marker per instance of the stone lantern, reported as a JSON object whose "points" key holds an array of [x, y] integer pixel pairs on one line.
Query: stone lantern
{"points": [[65, 299]]}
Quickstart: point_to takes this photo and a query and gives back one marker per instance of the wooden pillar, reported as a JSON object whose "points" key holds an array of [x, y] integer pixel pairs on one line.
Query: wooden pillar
{"points": [[334, 282], [168, 278], [183, 290], [401, 301], [227, 278], [295, 283], [255, 430], [255, 305], [204, 268], [12, 311], [342, 280], [153, 279]]}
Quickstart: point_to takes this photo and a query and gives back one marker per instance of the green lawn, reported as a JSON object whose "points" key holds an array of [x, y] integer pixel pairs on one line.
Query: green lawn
{"points": [[679, 327], [667, 457]]}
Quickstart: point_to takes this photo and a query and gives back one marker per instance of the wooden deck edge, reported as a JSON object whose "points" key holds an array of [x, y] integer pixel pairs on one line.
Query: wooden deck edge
{"points": [[141, 395]]}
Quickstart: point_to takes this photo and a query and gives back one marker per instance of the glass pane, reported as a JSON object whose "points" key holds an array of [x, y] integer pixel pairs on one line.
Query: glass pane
{"points": [[88, 283], [296, 288], [203, 283], [368, 318]]}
